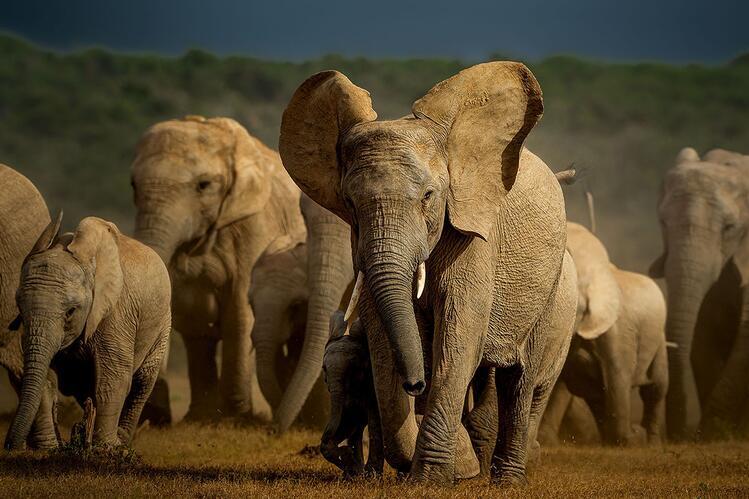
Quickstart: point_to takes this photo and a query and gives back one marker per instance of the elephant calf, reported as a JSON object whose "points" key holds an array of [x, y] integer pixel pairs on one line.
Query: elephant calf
{"points": [[620, 344], [348, 375], [95, 307]]}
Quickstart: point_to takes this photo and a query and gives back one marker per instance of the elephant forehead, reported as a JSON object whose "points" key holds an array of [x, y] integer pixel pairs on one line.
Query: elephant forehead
{"points": [[167, 166], [55, 264]]}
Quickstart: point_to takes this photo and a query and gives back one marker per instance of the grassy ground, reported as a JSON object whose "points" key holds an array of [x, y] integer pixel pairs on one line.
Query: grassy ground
{"points": [[190, 460]]}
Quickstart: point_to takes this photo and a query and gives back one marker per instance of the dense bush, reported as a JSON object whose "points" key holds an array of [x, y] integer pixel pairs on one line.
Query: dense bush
{"points": [[70, 121]]}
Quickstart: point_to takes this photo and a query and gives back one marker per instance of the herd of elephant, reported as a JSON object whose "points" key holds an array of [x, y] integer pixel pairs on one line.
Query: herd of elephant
{"points": [[422, 268]]}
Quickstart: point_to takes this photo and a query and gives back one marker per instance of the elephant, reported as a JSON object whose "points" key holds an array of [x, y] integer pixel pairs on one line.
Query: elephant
{"points": [[620, 343], [211, 200], [458, 240], [704, 216], [328, 272], [94, 306], [24, 217], [280, 297], [348, 376]]}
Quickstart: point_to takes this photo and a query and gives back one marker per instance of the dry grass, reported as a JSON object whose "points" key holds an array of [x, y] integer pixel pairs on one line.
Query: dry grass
{"points": [[190, 460]]}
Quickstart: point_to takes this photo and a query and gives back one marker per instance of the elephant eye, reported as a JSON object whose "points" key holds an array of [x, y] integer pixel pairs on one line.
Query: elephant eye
{"points": [[69, 312], [428, 195], [203, 185]]}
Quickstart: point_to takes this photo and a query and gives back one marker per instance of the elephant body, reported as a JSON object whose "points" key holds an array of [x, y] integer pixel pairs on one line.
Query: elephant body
{"points": [[95, 307], [704, 214], [447, 202], [25, 216], [620, 345], [211, 200], [348, 375]]}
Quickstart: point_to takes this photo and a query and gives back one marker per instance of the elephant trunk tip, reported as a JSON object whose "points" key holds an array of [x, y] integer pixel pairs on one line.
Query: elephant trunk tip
{"points": [[414, 387]]}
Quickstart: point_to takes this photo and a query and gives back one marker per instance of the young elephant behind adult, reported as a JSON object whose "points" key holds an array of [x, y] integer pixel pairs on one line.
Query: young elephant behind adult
{"points": [[95, 307], [704, 215], [23, 216], [620, 344], [211, 199], [348, 375], [449, 203]]}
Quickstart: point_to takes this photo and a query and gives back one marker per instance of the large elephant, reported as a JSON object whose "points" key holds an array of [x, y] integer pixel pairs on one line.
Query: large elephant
{"points": [[329, 271], [620, 344], [211, 199], [704, 215], [446, 201], [24, 217], [95, 307]]}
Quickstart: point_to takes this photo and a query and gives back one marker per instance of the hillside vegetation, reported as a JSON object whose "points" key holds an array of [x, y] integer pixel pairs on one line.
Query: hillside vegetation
{"points": [[70, 122]]}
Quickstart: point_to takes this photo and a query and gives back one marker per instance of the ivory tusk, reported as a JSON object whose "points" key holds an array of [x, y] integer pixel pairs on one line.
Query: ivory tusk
{"points": [[421, 279], [672, 344], [354, 296]]}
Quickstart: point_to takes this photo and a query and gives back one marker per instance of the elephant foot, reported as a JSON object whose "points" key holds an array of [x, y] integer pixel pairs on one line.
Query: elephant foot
{"points": [[434, 473], [506, 476], [42, 442], [157, 410]]}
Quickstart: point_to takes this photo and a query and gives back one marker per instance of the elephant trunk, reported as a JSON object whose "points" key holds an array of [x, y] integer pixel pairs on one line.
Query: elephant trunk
{"points": [[38, 352], [688, 276], [160, 233], [329, 271], [390, 269], [266, 350]]}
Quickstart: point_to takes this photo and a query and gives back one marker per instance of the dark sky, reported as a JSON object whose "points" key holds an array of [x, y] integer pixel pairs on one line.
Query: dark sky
{"points": [[665, 30]]}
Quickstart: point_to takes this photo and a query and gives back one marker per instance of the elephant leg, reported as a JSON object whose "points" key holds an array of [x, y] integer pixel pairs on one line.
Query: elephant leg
{"points": [[541, 395], [654, 399], [481, 421], [112, 387], [725, 403], [515, 392], [142, 386], [439, 446], [203, 374], [157, 409], [551, 422], [375, 456], [236, 326]]}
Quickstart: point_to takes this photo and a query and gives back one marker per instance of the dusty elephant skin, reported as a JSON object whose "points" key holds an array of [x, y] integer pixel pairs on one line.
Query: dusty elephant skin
{"points": [[704, 215], [95, 306], [211, 200], [620, 345], [25, 216], [348, 376], [451, 188], [310, 277]]}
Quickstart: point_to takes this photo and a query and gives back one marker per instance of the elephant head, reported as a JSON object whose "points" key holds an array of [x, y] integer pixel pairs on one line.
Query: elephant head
{"points": [[704, 216], [599, 296], [69, 284], [193, 176], [397, 183], [348, 375]]}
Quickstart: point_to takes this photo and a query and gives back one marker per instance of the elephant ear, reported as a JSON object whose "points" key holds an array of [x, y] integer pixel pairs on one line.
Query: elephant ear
{"points": [[320, 112], [484, 113], [687, 155], [95, 245], [600, 290], [48, 236], [247, 162]]}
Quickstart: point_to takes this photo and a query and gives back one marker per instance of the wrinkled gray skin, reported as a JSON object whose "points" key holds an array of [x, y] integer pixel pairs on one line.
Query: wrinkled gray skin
{"points": [[95, 308], [353, 403], [280, 297], [328, 273], [451, 187], [24, 217], [704, 215]]}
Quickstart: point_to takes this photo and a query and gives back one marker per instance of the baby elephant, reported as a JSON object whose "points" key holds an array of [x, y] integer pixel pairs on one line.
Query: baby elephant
{"points": [[348, 374], [95, 307]]}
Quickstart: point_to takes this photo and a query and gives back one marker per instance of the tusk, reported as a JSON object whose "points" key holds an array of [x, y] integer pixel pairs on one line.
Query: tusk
{"points": [[354, 296], [421, 279], [672, 344]]}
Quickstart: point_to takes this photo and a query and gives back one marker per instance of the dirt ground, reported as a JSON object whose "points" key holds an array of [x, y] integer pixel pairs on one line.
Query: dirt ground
{"points": [[226, 460]]}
